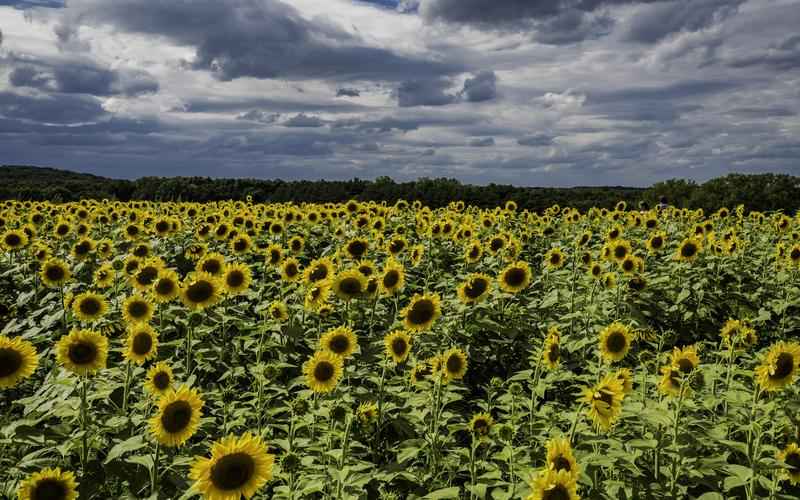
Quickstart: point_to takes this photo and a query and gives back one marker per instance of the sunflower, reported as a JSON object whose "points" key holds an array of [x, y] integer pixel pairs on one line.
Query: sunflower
{"points": [[357, 248], [340, 341], [323, 371], [515, 277], [477, 287], [417, 252], [420, 373], [689, 249], [82, 351], [398, 345], [159, 379], [137, 309], [291, 270], [104, 275], [200, 290], [14, 240], [392, 278], [166, 286], [18, 361], [274, 255], [619, 249], [791, 457], [177, 417], [319, 270], [551, 352], [278, 311], [779, 367], [238, 466], [625, 376], [454, 364], [142, 343], [605, 401], [595, 271], [554, 258], [54, 273], [349, 284], [481, 425], [82, 249], [656, 242], [212, 263], [735, 333], [631, 264], [144, 277], [367, 412], [89, 307], [241, 244], [50, 484], [237, 278], [560, 457], [420, 314], [554, 485], [615, 342], [317, 296]]}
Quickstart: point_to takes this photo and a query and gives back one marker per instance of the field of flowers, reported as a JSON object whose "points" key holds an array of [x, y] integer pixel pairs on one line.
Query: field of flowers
{"points": [[373, 351]]}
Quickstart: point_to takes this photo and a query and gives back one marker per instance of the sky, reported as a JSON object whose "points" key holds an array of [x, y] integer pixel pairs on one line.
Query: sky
{"points": [[524, 92]]}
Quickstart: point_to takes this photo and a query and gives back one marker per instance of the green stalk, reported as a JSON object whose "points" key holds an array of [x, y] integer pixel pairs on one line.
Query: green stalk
{"points": [[127, 390], [154, 474]]}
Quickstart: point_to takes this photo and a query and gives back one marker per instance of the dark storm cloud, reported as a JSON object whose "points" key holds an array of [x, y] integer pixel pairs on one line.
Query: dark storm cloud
{"points": [[303, 120], [656, 22], [535, 140], [80, 77], [481, 87], [27, 4], [53, 108], [780, 57], [347, 92], [424, 93], [482, 142], [267, 105], [256, 38]]}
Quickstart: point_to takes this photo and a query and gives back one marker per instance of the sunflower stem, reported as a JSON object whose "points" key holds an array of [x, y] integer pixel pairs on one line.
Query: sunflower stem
{"points": [[575, 424], [127, 389], [154, 473], [84, 424]]}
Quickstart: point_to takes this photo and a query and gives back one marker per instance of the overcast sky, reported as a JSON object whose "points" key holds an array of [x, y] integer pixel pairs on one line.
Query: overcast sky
{"points": [[529, 92]]}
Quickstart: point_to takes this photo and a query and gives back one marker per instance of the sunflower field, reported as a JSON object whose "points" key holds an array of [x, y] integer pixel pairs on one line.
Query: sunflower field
{"points": [[371, 351]]}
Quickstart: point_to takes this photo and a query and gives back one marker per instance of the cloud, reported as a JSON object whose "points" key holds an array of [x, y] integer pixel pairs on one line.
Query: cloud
{"points": [[54, 108], [303, 120], [535, 140], [481, 87], [29, 4], [482, 142], [562, 102], [424, 93], [82, 77], [347, 92], [655, 22], [782, 56], [257, 115], [266, 39]]}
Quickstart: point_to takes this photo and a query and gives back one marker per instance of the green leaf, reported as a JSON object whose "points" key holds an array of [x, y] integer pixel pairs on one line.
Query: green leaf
{"points": [[449, 493], [129, 445]]}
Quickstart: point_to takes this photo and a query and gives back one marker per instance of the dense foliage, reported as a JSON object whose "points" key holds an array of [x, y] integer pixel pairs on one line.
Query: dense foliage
{"points": [[365, 350], [766, 192]]}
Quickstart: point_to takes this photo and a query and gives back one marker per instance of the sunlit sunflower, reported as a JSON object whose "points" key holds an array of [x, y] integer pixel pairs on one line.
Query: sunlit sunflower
{"points": [[619, 249], [615, 342], [144, 277], [82, 351], [481, 425], [656, 242], [241, 244], [319, 270], [291, 270], [554, 485], [237, 278], [212, 263], [166, 286], [200, 290], [357, 248], [14, 240], [790, 456], [18, 361], [398, 345], [560, 457], [82, 249], [177, 417], [779, 367], [104, 276], [421, 372], [238, 466], [555, 258], [688, 250], [323, 371], [417, 253], [137, 309], [367, 412], [55, 273], [89, 307], [49, 484], [625, 376], [316, 296], [515, 277], [159, 379], [595, 271], [420, 314], [340, 341], [475, 288], [349, 284], [551, 352], [736, 333], [392, 278], [454, 364], [605, 401], [142, 343], [277, 311]]}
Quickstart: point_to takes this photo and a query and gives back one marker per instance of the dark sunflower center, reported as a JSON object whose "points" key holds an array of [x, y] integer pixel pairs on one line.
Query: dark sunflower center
{"points": [[553, 353], [212, 266], [339, 344], [454, 364], [162, 226], [296, 246], [561, 463], [516, 276], [199, 291], [231, 472], [481, 426], [161, 380], [131, 266], [496, 244], [784, 366], [49, 489], [357, 248], [620, 251], [323, 371], [89, 306], [476, 288], [137, 309], [421, 312], [165, 286], [396, 246], [235, 278], [319, 273], [142, 343], [274, 257], [82, 248], [82, 353], [688, 250], [399, 346], [685, 365], [10, 362], [627, 265], [558, 492], [616, 342], [54, 273], [474, 252], [147, 275], [365, 270], [350, 286], [656, 242], [391, 278], [596, 270], [606, 397], [13, 240], [240, 245], [62, 230], [291, 270], [793, 461], [795, 255], [176, 416], [555, 259]]}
